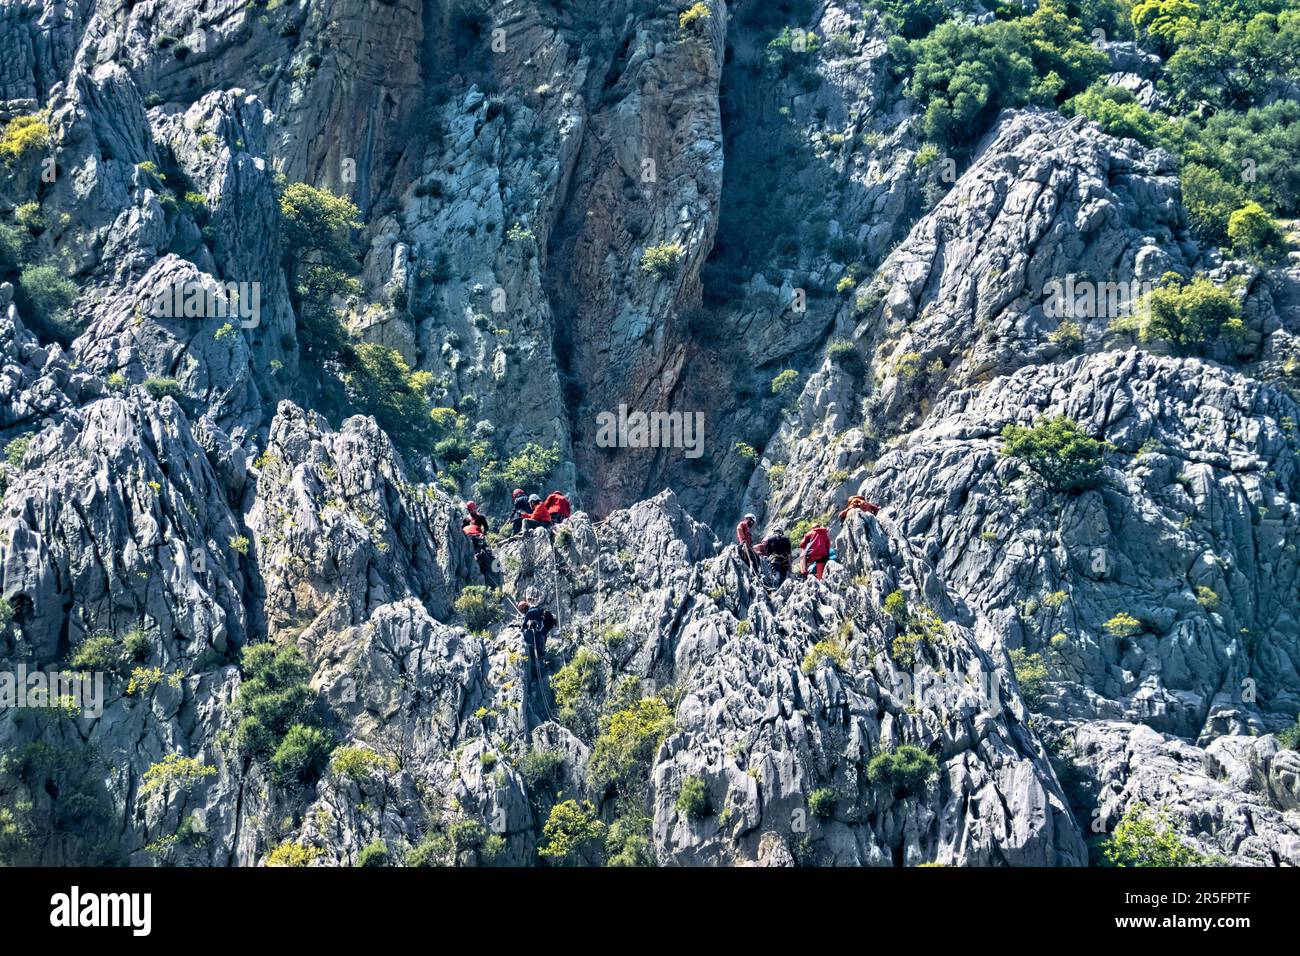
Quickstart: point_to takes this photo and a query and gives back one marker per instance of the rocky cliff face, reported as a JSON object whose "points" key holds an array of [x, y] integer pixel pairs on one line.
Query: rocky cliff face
{"points": [[564, 208]]}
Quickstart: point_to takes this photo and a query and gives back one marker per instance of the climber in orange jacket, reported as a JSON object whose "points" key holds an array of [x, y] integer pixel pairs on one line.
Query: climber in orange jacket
{"points": [[816, 547], [859, 503], [539, 517]]}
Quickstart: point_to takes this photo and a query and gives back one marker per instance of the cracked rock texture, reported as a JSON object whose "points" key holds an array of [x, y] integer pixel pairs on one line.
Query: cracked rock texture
{"points": [[172, 494]]}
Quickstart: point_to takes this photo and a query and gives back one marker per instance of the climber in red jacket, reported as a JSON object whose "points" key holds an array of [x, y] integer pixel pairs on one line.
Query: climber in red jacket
{"points": [[558, 507], [816, 546], [745, 541]]}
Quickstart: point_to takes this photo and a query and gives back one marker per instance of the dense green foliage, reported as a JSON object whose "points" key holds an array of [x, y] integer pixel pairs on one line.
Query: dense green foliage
{"points": [[276, 718], [822, 803], [912, 19], [481, 606], [623, 752], [962, 74], [375, 854], [302, 755], [321, 261], [1031, 675], [1225, 63], [1290, 737], [904, 770], [1117, 111], [693, 799], [1058, 451], [1143, 838], [381, 384], [1191, 315], [571, 829], [45, 295]]}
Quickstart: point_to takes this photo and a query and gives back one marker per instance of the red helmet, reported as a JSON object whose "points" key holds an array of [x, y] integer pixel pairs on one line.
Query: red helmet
{"points": [[523, 606], [516, 493], [470, 505]]}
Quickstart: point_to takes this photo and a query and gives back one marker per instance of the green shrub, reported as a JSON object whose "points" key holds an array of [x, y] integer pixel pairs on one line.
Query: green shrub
{"points": [[301, 756], [962, 75], [1118, 112], [845, 354], [44, 296], [1253, 233], [693, 800], [1058, 452], [662, 260], [357, 763], [1231, 60], [784, 382], [466, 834], [1206, 597], [1031, 676], [16, 449], [541, 768], [1122, 625], [529, 468], [1290, 737], [831, 650], [292, 854], [6, 615], [1064, 59], [375, 854], [693, 16], [575, 687], [622, 753], [912, 18], [921, 628], [896, 606], [627, 843], [907, 367], [273, 696], [160, 388], [904, 770], [1068, 335], [13, 243], [1190, 315], [480, 606], [380, 383], [29, 216], [571, 831], [1163, 21], [100, 653], [23, 138], [1210, 200], [1143, 838], [822, 803], [174, 771], [434, 850], [1263, 142], [320, 258]]}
